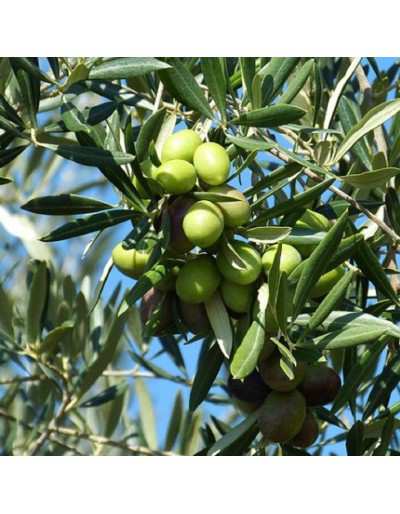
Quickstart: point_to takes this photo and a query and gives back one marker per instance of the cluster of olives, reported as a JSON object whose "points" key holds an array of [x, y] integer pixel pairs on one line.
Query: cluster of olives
{"points": [[176, 303], [285, 406]]}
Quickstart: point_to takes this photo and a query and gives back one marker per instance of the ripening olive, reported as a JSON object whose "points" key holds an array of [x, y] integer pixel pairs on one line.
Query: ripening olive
{"points": [[251, 262], [194, 317], [248, 393], [130, 262], [176, 177], [203, 224], [198, 280], [177, 210], [320, 385], [276, 378], [180, 145], [282, 415], [290, 258], [308, 432], [152, 301], [235, 213], [212, 163], [313, 220]]}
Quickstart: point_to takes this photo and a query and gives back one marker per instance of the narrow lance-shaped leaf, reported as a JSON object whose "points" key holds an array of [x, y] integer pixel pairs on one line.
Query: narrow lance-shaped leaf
{"points": [[220, 323], [215, 80], [64, 204], [126, 67], [9, 112], [36, 302], [295, 202], [348, 119], [317, 263], [105, 396], [387, 433], [4, 180], [6, 313], [72, 117], [29, 86], [9, 154], [372, 269], [359, 373], [346, 338], [146, 413], [91, 156], [175, 422], [183, 86], [274, 277], [254, 144], [32, 68], [248, 70], [214, 197], [355, 439], [209, 365], [148, 132], [246, 356], [190, 438], [282, 303], [279, 114], [297, 82], [342, 320], [146, 282], [384, 384], [235, 434], [373, 119], [104, 358], [393, 208], [333, 100], [87, 224], [271, 234], [371, 179], [55, 336], [331, 300]]}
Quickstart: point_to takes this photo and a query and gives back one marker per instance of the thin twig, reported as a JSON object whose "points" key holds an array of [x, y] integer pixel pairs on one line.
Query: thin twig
{"points": [[36, 445], [19, 380], [381, 224], [134, 450]]}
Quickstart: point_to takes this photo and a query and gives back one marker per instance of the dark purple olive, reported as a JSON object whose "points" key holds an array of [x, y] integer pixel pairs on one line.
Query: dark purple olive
{"points": [[320, 384]]}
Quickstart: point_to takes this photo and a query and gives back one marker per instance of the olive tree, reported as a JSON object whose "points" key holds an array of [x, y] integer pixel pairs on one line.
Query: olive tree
{"points": [[241, 212]]}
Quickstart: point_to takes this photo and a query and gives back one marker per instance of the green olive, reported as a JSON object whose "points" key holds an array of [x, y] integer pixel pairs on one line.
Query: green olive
{"points": [[290, 258], [180, 145], [203, 224], [327, 281], [212, 163], [198, 280], [236, 297], [313, 220], [250, 267], [176, 177], [235, 213], [129, 262]]}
